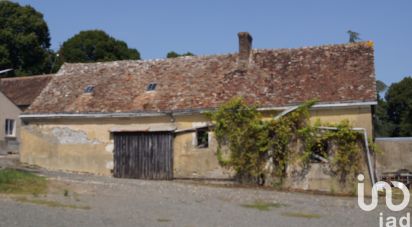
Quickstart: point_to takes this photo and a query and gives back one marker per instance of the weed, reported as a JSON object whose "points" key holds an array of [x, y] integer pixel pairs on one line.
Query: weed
{"points": [[262, 206], [301, 215]]}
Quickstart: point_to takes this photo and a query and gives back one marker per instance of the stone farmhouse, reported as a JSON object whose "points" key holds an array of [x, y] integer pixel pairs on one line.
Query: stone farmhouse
{"points": [[145, 119]]}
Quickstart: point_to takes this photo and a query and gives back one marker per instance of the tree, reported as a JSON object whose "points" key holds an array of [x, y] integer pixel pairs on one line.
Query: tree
{"points": [[95, 46], [24, 40], [173, 54], [380, 86], [353, 36], [382, 126], [399, 107]]}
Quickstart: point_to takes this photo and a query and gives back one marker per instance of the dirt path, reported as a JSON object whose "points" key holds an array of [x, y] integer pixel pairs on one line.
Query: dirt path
{"points": [[85, 200]]}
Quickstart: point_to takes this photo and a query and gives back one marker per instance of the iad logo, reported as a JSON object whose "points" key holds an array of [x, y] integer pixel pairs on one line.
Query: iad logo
{"points": [[390, 221]]}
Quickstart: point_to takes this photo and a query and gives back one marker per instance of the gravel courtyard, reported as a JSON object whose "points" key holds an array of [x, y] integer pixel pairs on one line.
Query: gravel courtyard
{"points": [[84, 200]]}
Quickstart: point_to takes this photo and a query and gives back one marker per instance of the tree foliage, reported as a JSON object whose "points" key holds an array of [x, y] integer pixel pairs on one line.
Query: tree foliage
{"points": [[24, 40], [399, 107], [173, 54], [381, 124], [380, 86], [95, 46], [353, 36]]}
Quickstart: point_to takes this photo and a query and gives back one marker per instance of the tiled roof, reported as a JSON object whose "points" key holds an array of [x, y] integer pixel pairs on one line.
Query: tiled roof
{"points": [[272, 78], [23, 90]]}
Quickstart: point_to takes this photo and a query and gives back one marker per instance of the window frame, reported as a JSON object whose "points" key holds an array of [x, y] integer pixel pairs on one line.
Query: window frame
{"points": [[151, 87], [10, 127], [88, 89], [320, 152], [206, 143]]}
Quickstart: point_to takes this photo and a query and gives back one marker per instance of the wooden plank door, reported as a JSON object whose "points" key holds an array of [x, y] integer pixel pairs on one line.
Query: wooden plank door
{"points": [[143, 155]]}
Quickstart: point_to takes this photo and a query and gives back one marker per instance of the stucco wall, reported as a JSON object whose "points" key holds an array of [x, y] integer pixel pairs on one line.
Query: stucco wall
{"points": [[55, 144], [318, 177], [8, 111], [87, 145], [359, 117], [193, 162], [395, 154], [75, 145]]}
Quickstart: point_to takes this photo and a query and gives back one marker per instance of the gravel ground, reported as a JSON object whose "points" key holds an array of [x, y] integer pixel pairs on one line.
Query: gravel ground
{"points": [[105, 201]]}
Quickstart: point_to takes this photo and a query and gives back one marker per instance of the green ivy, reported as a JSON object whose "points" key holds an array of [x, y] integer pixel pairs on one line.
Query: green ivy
{"points": [[347, 156], [250, 141], [239, 128]]}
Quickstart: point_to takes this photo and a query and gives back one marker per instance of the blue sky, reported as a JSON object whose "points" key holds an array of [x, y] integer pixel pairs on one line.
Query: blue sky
{"points": [[210, 27]]}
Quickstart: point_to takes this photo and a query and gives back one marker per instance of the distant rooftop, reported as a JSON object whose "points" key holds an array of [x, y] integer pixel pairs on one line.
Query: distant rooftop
{"points": [[23, 90]]}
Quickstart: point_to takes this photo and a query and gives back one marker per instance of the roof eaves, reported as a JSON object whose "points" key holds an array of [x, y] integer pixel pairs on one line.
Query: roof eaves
{"points": [[27, 116]]}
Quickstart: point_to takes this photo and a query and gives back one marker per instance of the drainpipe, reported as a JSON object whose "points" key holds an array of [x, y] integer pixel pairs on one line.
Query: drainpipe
{"points": [[283, 113], [362, 130], [368, 154]]}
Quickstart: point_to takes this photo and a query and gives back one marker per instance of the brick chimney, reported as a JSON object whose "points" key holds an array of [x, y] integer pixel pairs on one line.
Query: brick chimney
{"points": [[245, 48]]}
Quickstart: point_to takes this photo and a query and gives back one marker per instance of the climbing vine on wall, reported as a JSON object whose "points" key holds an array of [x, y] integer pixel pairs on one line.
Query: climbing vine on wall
{"points": [[239, 128], [282, 132], [347, 155], [246, 143]]}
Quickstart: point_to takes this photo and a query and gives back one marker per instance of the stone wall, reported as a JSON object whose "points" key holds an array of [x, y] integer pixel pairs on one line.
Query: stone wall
{"points": [[396, 154]]}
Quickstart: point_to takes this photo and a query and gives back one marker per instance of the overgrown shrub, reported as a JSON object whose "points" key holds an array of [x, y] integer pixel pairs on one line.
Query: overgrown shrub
{"points": [[252, 142], [239, 128]]}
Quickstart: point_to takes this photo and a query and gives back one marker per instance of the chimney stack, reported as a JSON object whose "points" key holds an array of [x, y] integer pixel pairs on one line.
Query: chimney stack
{"points": [[245, 47]]}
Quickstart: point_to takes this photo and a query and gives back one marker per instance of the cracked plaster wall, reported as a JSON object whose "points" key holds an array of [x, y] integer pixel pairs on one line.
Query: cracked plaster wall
{"points": [[87, 145]]}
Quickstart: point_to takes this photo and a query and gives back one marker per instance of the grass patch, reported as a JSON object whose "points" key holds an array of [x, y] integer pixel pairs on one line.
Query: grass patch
{"points": [[300, 215], [50, 203], [21, 182], [262, 206], [163, 220]]}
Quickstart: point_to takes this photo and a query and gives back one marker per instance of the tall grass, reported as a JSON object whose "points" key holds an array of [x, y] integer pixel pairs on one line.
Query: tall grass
{"points": [[21, 182]]}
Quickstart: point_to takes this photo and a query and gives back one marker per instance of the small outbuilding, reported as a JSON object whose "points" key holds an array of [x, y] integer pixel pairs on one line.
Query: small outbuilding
{"points": [[16, 95]]}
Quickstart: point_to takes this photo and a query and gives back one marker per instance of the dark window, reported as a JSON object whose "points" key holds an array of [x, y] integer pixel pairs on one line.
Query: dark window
{"points": [[88, 89], [320, 151], [202, 138], [9, 127], [151, 87]]}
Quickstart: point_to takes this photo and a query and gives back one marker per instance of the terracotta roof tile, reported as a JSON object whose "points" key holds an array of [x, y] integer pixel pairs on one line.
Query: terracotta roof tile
{"points": [[23, 90], [273, 78]]}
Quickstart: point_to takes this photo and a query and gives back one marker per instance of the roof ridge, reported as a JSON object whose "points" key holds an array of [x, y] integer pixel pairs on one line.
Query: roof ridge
{"points": [[366, 42], [153, 60]]}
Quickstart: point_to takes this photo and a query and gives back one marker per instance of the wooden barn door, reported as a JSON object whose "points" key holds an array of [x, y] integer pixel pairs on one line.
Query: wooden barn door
{"points": [[143, 155]]}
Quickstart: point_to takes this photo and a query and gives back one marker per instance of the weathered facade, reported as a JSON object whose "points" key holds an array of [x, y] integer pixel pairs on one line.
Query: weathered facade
{"points": [[8, 111], [72, 125], [16, 94], [395, 155]]}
